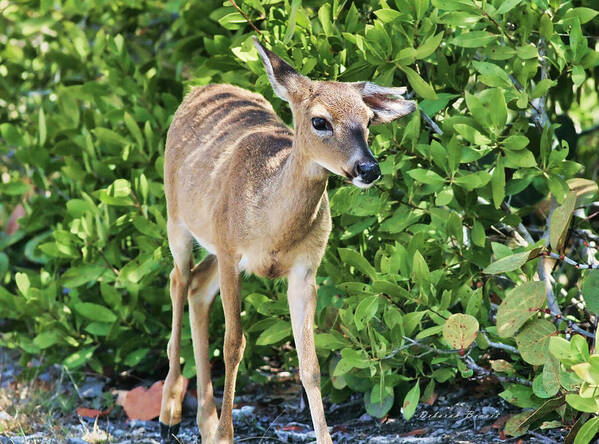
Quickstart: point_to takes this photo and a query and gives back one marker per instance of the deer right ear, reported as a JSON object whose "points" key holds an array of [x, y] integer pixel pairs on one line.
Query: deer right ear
{"points": [[285, 80]]}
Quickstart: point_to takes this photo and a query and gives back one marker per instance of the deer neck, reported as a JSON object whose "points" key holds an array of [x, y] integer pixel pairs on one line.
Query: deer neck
{"points": [[302, 185]]}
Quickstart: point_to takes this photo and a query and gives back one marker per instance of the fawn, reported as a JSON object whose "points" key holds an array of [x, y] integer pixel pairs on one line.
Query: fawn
{"points": [[252, 192]]}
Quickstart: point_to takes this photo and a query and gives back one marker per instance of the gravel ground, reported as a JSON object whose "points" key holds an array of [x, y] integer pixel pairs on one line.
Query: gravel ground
{"points": [[43, 411]]}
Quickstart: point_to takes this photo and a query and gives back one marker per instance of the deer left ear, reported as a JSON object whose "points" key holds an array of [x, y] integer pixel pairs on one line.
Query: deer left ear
{"points": [[387, 103], [285, 80]]}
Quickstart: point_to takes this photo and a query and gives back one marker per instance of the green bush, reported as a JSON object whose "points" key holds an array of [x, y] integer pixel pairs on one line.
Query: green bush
{"points": [[417, 268]]}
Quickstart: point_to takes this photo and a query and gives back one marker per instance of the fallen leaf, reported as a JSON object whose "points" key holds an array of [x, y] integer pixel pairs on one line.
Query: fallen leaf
{"points": [[415, 432], [498, 424], [339, 428], [91, 413], [144, 404], [293, 428]]}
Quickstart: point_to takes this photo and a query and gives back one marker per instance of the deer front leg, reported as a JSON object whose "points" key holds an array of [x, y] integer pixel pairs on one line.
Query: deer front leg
{"points": [[229, 279], [172, 392], [202, 289], [301, 296]]}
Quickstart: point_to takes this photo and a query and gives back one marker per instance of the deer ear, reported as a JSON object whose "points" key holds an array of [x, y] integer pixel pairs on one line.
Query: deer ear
{"points": [[387, 103], [285, 80]]}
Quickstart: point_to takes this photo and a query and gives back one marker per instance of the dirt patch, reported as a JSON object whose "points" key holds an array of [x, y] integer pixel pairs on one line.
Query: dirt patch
{"points": [[43, 410]]}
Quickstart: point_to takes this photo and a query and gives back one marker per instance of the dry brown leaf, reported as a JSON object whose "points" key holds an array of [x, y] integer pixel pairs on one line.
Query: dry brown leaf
{"points": [[91, 413], [144, 404]]}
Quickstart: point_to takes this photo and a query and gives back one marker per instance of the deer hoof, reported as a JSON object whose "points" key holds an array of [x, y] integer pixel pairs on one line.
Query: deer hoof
{"points": [[168, 433]]}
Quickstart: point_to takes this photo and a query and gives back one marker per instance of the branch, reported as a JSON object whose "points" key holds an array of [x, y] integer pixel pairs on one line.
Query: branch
{"points": [[500, 345], [431, 123], [247, 19], [483, 371], [569, 261], [541, 117]]}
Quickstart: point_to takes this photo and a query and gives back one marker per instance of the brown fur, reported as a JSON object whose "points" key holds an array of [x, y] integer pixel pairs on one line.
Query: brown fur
{"points": [[253, 192]]}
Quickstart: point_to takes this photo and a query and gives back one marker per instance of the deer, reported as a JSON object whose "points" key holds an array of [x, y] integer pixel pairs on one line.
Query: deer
{"points": [[253, 193]]}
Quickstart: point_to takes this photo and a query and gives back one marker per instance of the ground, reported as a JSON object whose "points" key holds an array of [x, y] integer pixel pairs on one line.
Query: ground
{"points": [[42, 409]]}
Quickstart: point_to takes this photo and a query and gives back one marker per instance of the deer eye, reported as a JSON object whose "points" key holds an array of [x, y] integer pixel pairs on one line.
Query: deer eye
{"points": [[321, 124]]}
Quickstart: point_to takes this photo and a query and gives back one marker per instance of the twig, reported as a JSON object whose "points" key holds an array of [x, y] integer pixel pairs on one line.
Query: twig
{"points": [[569, 261], [247, 19], [431, 123], [542, 438], [541, 118], [483, 371], [558, 317], [429, 348], [500, 345]]}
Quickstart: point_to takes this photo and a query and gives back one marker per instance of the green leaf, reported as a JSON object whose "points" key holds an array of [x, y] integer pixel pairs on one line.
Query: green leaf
{"points": [[508, 5], [429, 46], [110, 137], [379, 409], [546, 27], [275, 333], [560, 221], [542, 87], [426, 176], [365, 311], [492, 75], [578, 75], [460, 330], [471, 134], [514, 425], [590, 290], [587, 432], [533, 341], [507, 264], [590, 405], [585, 15], [551, 374], [82, 274], [410, 402], [46, 339], [527, 52], [134, 129], [498, 183], [95, 312], [478, 234], [519, 305], [473, 181], [421, 88], [515, 142], [420, 271], [387, 15], [359, 262], [473, 39]]}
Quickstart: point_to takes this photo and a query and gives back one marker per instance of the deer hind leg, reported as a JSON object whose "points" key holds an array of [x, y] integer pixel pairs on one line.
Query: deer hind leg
{"points": [[301, 296], [180, 242], [229, 278], [202, 290]]}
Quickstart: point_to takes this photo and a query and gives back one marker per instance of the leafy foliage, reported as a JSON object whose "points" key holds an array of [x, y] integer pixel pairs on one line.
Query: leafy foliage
{"points": [[417, 264]]}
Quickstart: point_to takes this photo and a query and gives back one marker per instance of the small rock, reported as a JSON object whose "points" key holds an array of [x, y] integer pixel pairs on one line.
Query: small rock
{"points": [[490, 411], [74, 440], [293, 436], [243, 413], [91, 388], [5, 416], [365, 418]]}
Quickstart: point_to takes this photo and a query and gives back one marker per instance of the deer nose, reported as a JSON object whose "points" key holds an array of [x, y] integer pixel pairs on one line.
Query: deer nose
{"points": [[368, 171]]}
